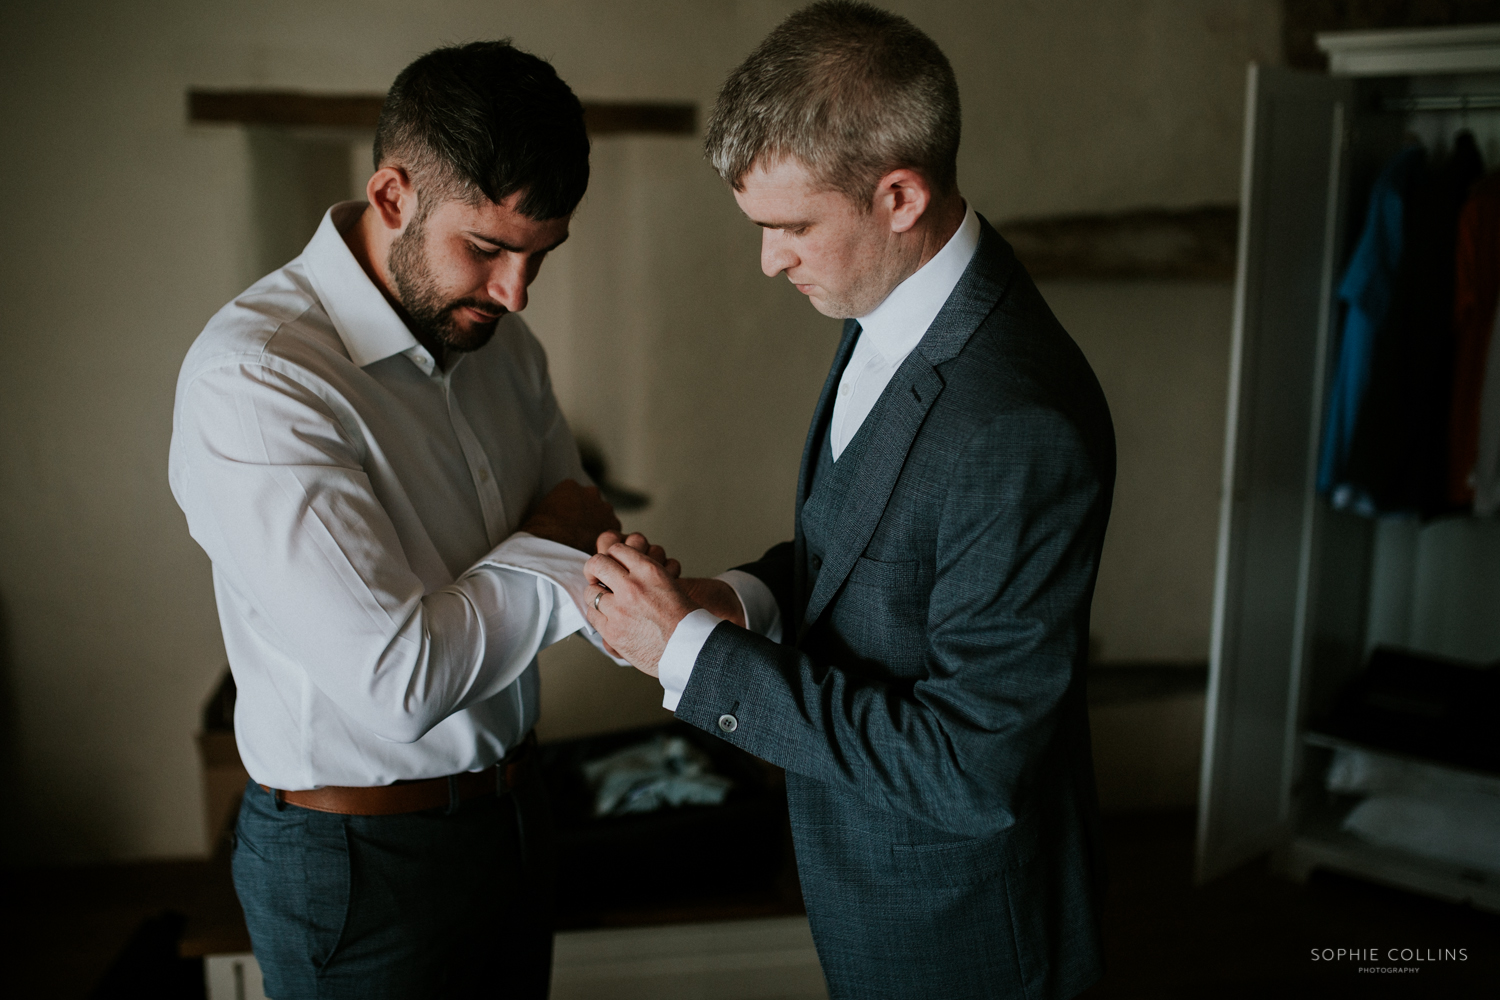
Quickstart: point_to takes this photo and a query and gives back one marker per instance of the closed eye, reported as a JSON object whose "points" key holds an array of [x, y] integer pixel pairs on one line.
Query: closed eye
{"points": [[791, 228]]}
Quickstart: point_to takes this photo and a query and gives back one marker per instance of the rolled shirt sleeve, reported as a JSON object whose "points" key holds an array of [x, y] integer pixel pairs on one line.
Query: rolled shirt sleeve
{"points": [[276, 492]]}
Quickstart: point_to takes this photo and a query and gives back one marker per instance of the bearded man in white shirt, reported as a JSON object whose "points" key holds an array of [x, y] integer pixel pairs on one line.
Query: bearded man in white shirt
{"points": [[367, 446]]}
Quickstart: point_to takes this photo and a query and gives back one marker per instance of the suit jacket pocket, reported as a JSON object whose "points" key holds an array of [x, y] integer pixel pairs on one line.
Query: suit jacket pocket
{"points": [[955, 863]]}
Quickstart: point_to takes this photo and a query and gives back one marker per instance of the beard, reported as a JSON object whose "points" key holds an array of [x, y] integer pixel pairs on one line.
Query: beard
{"points": [[429, 310]]}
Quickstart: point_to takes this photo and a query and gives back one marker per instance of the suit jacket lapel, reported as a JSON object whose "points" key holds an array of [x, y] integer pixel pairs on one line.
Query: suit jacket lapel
{"points": [[893, 424], [863, 490]]}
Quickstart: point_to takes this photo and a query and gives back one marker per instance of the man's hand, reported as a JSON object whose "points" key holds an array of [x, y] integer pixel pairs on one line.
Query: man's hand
{"points": [[637, 603], [715, 595], [638, 541], [572, 514]]}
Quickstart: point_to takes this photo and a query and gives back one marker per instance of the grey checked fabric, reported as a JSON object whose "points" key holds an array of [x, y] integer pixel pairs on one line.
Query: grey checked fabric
{"points": [[928, 699]]}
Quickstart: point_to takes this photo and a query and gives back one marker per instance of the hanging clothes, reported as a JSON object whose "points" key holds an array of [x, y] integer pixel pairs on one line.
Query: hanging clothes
{"points": [[1475, 295], [1398, 456], [1366, 293], [1486, 477]]}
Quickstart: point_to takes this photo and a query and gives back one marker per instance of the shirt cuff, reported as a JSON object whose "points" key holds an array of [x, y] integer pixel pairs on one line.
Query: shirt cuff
{"points": [[555, 562], [762, 613], [675, 668]]}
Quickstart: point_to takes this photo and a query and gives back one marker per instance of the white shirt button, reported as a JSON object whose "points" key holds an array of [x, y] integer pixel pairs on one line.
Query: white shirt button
{"points": [[728, 723]]}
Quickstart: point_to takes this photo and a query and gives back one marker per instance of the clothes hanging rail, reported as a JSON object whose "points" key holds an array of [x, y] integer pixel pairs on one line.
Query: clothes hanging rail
{"points": [[1441, 102]]}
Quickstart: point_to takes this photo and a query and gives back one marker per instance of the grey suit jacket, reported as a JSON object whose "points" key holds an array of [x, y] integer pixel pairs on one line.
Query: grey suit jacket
{"points": [[927, 702]]}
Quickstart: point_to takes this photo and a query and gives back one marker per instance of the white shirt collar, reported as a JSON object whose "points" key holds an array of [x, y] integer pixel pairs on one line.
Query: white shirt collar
{"points": [[365, 321], [896, 325]]}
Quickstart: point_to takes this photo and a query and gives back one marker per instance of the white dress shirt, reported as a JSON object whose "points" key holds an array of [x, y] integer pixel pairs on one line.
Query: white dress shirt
{"points": [[381, 614], [887, 335]]}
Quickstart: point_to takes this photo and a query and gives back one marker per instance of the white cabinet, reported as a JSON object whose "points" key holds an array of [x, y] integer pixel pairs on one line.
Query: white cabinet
{"points": [[1302, 593]]}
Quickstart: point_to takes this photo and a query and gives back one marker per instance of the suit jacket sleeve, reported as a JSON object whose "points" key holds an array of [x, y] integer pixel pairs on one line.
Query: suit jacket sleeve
{"points": [[1016, 558]]}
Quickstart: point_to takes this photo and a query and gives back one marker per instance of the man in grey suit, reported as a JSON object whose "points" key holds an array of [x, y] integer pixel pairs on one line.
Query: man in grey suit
{"points": [[914, 657]]}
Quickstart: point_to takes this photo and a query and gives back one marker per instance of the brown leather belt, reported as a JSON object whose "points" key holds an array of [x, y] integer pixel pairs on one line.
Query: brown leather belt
{"points": [[414, 796]]}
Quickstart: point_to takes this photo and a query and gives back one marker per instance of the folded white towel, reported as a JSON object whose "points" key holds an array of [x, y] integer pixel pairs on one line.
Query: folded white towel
{"points": [[1359, 772], [1462, 830]]}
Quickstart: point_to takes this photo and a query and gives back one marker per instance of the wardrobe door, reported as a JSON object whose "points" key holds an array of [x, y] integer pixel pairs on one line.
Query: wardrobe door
{"points": [[1295, 137]]}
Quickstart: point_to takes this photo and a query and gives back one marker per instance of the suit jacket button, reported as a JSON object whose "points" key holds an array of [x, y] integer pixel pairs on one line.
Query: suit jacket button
{"points": [[728, 723]]}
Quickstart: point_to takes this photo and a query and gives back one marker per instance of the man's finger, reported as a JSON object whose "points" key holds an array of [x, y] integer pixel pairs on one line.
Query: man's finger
{"points": [[635, 563], [637, 541], [607, 539], [596, 604], [673, 568], [604, 569]]}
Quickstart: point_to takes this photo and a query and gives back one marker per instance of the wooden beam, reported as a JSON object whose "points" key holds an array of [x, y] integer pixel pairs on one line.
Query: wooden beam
{"points": [[287, 108], [1196, 244], [296, 109]]}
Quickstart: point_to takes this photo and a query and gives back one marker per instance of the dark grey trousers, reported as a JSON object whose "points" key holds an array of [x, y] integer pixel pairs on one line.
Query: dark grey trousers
{"points": [[433, 904]]}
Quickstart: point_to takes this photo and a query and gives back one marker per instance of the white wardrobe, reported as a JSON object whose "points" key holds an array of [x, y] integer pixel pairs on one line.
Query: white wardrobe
{"points": [[1303, 593]]}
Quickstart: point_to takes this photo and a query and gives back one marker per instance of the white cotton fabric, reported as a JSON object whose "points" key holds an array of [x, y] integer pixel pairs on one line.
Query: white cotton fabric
{"points": [[892, 330], [380, 611], [1457, 831], [1426, 809]]}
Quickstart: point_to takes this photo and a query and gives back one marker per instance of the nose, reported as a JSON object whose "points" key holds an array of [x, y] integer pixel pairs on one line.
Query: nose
{"points": [[776, 253], [509, 280]]}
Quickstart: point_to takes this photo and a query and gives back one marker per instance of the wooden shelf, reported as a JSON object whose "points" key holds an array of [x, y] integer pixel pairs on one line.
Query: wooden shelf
{"points": [[1195, 244], [1321, 843], [298, 109]]}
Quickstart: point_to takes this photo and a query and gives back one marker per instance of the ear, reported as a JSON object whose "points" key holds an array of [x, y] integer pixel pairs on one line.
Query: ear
{"points": [[392, 195], [902, 196]]}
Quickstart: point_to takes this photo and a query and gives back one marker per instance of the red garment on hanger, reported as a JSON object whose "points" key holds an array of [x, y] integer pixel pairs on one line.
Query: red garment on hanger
{"points": [[1476, 292]]}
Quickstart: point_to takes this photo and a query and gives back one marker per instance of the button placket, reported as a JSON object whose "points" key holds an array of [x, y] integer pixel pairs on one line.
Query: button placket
{"points": [[490, 502]]}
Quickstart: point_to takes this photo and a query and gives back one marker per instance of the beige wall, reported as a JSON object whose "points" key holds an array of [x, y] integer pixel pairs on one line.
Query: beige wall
{"points": [[1161, 351], [125, 228]]}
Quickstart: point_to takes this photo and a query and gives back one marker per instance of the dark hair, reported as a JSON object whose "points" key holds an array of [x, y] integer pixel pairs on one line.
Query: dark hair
{"points": [[851, 91], [486, 119]]}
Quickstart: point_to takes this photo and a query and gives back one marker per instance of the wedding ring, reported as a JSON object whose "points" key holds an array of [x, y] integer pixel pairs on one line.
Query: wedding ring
{"points": [[596, 599]]}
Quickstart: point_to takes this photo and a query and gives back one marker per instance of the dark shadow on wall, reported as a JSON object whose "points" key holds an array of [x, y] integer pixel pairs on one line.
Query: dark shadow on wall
{"points": [[294, 178], [1302, 20]]}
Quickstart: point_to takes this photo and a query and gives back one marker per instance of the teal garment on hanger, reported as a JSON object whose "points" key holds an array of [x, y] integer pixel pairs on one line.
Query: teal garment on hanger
{"points": [[1366, 291]]}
